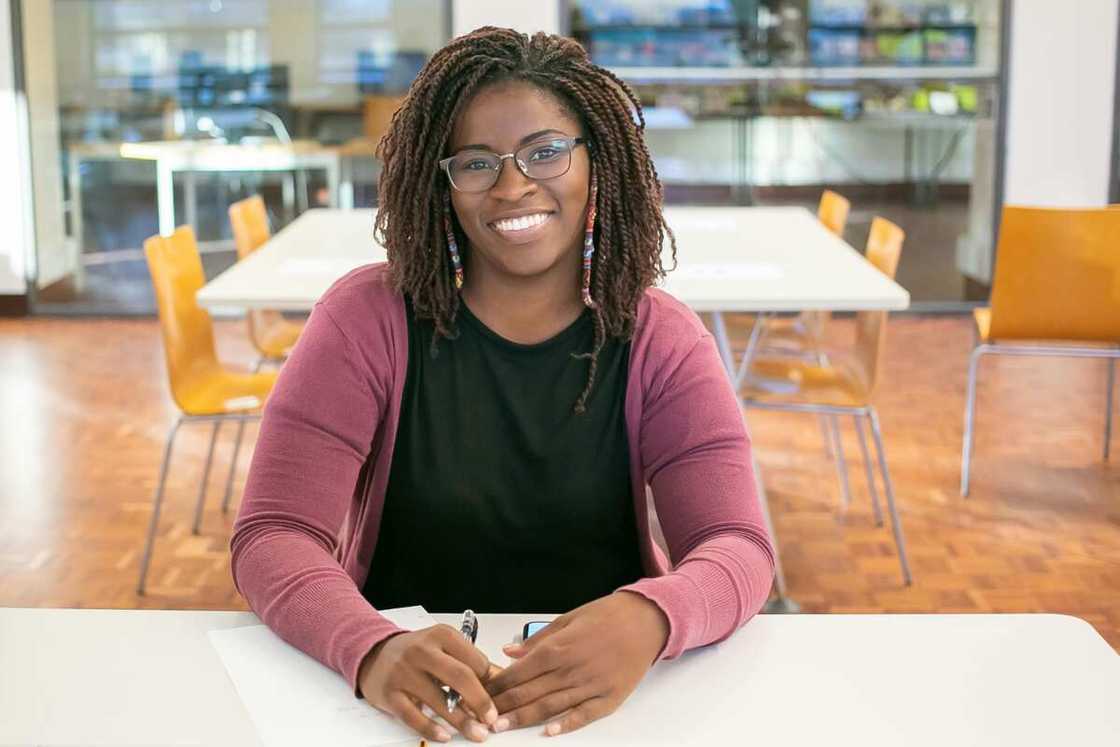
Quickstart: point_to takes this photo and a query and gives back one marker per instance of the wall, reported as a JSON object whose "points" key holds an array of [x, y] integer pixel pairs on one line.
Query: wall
{"points": [[15, 206], [1061, 97]]}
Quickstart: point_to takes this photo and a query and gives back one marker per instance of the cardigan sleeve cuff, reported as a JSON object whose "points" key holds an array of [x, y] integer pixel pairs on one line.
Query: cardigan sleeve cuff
{"points": [[678, 597], [360, 647]]}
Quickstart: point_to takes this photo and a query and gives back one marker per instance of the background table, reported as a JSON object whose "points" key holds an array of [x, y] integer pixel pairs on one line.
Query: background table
{"points": [[129, 677], [729, 259]]}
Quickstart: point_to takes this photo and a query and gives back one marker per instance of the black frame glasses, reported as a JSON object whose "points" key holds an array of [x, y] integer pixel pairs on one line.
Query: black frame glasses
{"points": [[537, 169]]}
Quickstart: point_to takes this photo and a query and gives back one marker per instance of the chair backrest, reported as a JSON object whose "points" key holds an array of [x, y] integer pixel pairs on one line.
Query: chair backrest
{"points": [[833, 211], [1057, 275], [186, 328], [884, 248], [249, 220]]}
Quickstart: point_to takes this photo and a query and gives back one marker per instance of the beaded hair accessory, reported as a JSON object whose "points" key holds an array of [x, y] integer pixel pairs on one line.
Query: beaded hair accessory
{"points": [[452, 246], [589, 243]]}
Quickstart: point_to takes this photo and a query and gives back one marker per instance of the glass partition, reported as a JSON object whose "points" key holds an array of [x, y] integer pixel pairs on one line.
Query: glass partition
{"points": [[761, 102], [147, 114]]}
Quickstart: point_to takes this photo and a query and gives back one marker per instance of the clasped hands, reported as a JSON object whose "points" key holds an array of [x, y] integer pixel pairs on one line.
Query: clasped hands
{"points": [[579, 669]]}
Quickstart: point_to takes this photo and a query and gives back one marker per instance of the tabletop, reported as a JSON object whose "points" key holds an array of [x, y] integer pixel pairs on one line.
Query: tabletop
{"points": [[728, 259], [130, 677]]}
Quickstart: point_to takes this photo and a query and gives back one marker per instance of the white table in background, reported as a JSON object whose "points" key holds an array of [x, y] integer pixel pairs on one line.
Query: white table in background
{"points": [[754, 259], [129, 677]]}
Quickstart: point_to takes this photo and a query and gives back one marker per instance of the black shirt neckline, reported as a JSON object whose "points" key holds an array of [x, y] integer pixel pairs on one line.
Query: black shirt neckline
{"points": [[572, 330]]}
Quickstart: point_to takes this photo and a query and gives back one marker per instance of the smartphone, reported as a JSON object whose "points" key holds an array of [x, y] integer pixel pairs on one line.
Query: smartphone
{"points": [[531, 628]]}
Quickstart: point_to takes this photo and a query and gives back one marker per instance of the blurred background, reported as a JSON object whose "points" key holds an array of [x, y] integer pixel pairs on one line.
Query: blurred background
{"points": [[123, 119]]}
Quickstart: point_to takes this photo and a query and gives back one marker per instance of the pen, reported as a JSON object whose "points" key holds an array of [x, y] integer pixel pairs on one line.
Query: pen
{"points": [[469, 629]]}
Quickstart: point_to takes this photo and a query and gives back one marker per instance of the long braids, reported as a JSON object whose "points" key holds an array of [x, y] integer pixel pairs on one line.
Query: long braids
{"points": [[629, 231]]}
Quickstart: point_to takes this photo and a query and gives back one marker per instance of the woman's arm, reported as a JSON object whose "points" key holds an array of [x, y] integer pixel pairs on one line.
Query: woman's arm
{"points": [[315, 436], [697, 460]]}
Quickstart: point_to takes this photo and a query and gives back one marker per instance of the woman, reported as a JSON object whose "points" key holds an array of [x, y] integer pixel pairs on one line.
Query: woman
{"points": [[474, 423]]}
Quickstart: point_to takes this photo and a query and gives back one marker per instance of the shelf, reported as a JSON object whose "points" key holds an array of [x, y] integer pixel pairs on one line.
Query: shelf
{"points": [[742, 74], [901, 28]]}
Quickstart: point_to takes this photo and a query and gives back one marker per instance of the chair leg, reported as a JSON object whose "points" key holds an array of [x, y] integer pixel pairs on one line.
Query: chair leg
{"points": [[233, 465], [779, 574], [858, 421], [969, 418], [1110, 387], [826, 436], [896, 522], [257, 366], [157, 502], [841, 462], [205, 478]]}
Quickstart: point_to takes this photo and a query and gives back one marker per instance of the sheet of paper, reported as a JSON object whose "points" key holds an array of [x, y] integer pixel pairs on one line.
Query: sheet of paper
{"points": [[737, 271], [332, 266], [294, 700]]}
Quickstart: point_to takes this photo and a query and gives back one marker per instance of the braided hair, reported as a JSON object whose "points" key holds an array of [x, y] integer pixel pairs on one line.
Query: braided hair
{"points": [[412, 191]]}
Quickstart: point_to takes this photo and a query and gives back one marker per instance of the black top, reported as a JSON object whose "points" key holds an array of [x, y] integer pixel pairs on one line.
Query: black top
{"points": [[500, 498]]}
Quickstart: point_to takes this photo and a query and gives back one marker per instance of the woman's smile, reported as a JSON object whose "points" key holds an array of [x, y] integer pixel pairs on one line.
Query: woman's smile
{"points": [[522, 229]]}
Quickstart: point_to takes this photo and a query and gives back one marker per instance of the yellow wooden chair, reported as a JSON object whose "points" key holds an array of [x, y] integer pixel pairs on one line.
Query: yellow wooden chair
{"points": [[1056, 293], [203, 390], [806, 330], [271, 334], [844, 384]]}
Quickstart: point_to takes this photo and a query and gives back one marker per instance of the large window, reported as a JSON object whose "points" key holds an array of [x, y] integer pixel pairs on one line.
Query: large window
{"points": [[153, 113], [893, 103]]}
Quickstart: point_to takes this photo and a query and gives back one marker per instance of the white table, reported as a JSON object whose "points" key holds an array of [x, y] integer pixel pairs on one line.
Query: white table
{"points": [[758, 259], [126, 677], [730, 259]]}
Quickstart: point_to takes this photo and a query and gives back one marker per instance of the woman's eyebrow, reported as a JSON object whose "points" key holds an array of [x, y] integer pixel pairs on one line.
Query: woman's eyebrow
{"points": [[528, 138]]}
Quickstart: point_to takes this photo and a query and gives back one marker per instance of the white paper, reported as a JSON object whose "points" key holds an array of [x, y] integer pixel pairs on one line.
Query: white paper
{"points": [[294, 700], [334, 267], [737, 271]]}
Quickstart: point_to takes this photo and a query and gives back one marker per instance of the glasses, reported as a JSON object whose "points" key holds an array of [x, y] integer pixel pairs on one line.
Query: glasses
{"points": [[478, 170]]}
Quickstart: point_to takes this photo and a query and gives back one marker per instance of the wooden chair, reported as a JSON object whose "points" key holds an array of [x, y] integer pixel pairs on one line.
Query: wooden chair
{"points": [[1055, 293], [845, 384], [272, 335], [203, 390]]}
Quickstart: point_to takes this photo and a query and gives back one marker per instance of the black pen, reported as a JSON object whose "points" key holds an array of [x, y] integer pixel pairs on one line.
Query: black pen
{"points": [[469, 629]]}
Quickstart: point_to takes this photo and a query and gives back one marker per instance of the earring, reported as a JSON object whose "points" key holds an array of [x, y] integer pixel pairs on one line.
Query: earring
{"points": [[589, 242], [452, 246]]}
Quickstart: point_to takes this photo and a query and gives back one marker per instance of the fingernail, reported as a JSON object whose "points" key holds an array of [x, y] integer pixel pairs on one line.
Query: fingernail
{"points": [[552, 729], [501, 724], [442, 735], [477, 732], [491, 715]]}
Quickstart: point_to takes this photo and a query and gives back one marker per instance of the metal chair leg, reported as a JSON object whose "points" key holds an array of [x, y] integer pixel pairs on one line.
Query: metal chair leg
{"points": [[858, 421], [969, 418], [896, 522], [233, 465], [257, 366], [205, 478], [157, 502], [826, 436], [779, 574], [841, 462], [1110, 391]]}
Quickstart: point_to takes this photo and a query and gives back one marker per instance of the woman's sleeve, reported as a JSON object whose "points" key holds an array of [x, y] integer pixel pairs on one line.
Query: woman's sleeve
{"points": [[696, 455], [315, 437]]}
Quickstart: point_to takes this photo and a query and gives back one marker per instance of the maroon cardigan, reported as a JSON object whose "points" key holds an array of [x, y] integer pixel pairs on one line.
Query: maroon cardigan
{"points": [[308, 523]]}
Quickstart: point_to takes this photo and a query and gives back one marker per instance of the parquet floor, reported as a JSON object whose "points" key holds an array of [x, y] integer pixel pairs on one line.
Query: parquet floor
{"points": [[84, 411]]}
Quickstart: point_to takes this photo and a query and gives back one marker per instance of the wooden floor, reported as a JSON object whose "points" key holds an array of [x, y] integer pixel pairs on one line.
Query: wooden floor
{"points": [[84, 411]]}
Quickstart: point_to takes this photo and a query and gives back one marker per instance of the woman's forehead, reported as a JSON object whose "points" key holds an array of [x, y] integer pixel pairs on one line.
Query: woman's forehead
{"points": [[499, 116]]}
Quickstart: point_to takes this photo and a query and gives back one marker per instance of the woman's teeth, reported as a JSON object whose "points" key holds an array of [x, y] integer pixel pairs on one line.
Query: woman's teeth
{"points": [[522, 223]]}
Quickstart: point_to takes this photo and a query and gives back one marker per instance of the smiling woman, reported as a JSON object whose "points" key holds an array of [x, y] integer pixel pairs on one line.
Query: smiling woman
{"points": [[504, 389]]}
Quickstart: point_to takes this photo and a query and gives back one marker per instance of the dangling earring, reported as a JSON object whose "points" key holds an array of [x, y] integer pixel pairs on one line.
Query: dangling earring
{"points": [[452, 246], [589, 242]]}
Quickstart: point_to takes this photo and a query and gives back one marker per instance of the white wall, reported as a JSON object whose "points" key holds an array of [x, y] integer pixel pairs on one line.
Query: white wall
{"points": [[1060, 106], [15, 206], [527, 16]]}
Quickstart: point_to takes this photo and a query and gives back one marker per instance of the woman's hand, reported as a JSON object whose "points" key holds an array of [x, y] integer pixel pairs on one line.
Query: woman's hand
{"points": [[586, 662], [400, 676]]}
